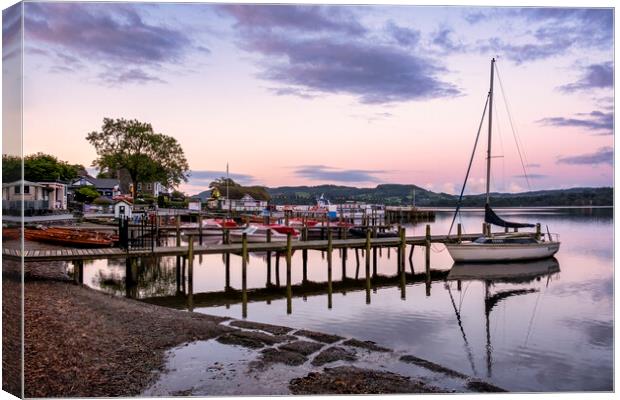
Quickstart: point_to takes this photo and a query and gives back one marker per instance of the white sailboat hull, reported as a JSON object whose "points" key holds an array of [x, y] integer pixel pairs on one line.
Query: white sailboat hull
{"points": [[482, 252]]}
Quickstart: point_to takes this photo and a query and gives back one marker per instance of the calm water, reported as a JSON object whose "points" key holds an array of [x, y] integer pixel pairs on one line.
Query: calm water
{"points": [[541, 326]]}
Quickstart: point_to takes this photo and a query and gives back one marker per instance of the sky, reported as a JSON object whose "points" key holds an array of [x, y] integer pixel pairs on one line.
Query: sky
{"points": [[350, 95]]}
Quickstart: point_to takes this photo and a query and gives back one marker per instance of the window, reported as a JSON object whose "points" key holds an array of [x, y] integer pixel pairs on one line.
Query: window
{"points": [[148, 186], [26, 189], [139, 186], [17, 189]]}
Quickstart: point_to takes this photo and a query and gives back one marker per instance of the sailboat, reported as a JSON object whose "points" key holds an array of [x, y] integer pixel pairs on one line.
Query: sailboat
{"points": [[505, 246]]}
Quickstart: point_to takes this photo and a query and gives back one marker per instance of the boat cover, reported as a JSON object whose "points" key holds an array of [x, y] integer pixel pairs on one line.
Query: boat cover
{"points": [[491, 218]]}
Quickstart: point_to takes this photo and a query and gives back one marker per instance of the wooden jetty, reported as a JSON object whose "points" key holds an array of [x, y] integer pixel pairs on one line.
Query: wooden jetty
{"points": [[72, 254]]}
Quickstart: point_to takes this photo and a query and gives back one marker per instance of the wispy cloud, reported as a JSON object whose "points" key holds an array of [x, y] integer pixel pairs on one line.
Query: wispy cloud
{"points": [[604, 155], [329, 174], [204, 177], [106, 35], [445, 39], [593, 121], [402, 35], [11, 31], [531, 176], [595, 76], [333, 56], [552, 32]]}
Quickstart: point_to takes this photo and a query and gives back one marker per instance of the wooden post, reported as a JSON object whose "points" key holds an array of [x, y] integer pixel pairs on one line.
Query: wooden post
{"points": [[403, 248], [428, 260], [178, 226], [183, 281], [367, 266], [289, 291], [329, 270], [78, 271], [200, 229], [178, 274], [227, 259], [269, 259], [484, 229], [538, 231], [286, 217], [190, 273], [244, 275], [304, 255], [277, 269], [459, 232], [374, 254]]}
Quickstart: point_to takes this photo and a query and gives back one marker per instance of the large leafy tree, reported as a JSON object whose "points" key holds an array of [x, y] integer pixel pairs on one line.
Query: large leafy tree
{"points": [[236, 191], [38, 167], [134, 146]]}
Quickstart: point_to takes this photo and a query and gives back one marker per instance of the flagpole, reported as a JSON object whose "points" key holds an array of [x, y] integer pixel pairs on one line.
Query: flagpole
{"points": [[227, 193]]}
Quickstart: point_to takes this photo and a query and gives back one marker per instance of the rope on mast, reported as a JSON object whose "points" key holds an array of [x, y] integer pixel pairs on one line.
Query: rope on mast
{"points": [[514, 133], [471, 160]]}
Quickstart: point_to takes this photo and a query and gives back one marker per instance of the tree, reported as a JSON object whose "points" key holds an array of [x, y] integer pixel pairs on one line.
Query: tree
{"points": [[38, 167], [236, 191], [134, 146], [86, 194]]}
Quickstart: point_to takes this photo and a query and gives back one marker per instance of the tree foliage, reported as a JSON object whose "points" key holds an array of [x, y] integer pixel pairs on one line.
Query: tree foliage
{"points": [[86, 194], [147, 156], [236, 191], [38, 167]]}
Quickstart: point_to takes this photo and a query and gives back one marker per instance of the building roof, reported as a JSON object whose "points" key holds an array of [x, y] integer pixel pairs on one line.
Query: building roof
{"points": [[100, 183], [19, 182]]}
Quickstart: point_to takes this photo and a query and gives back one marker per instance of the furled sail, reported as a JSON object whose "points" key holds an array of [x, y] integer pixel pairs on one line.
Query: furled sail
{"points": [[491, 218]]}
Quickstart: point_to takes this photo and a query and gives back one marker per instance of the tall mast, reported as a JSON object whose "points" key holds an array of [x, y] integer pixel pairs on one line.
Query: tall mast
{"points": [[490, 125]]}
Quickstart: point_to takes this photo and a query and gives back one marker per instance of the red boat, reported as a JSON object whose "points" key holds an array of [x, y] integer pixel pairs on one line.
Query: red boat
{"points": [[299, 222], [70, 237]]}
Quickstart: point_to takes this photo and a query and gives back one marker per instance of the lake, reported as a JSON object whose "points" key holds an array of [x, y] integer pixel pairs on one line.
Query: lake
{"points": [[537, 326]]}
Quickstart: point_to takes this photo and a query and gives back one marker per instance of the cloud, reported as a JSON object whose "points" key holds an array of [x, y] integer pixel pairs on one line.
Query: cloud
{"points": [[444, 39], [106, 35], [531, 176], [593, 121], [533, 165], [332, 56], [403, 36], [475, 17], [296, 18], [596, 76], [134, 75], [330, 174], [11, 31], [604, 155], [205, 177], [552, 32]]}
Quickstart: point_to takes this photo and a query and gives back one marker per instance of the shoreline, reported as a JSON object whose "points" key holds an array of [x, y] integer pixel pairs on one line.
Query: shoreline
{"points": [[83, 343]]}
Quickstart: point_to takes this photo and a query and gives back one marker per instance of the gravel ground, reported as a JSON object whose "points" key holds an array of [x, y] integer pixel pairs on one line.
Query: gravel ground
{"points": [[83, 343], [80, 342]]}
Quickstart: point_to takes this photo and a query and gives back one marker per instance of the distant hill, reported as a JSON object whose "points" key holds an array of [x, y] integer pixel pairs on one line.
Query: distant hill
{"points": [[395, 194], [400, 195]]}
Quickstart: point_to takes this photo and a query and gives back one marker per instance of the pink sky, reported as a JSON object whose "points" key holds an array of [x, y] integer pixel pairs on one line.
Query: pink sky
{"points": [[360, 96]]}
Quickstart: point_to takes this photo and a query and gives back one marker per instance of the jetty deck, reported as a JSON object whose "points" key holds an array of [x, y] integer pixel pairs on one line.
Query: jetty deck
{"points": [[73, 254]]}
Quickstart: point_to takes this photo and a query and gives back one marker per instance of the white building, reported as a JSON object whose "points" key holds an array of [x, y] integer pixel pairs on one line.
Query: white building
{"points": [[36, 195], [246, 203], [122, 209]]}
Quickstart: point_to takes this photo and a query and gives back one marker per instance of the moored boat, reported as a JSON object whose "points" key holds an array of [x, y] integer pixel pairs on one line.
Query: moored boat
{"points": [[70, 237], [258, 233], [505, 246]]}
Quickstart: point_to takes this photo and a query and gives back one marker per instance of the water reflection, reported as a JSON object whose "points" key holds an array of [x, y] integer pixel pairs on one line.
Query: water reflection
{"points": [[525, 325], [517, 273]]}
